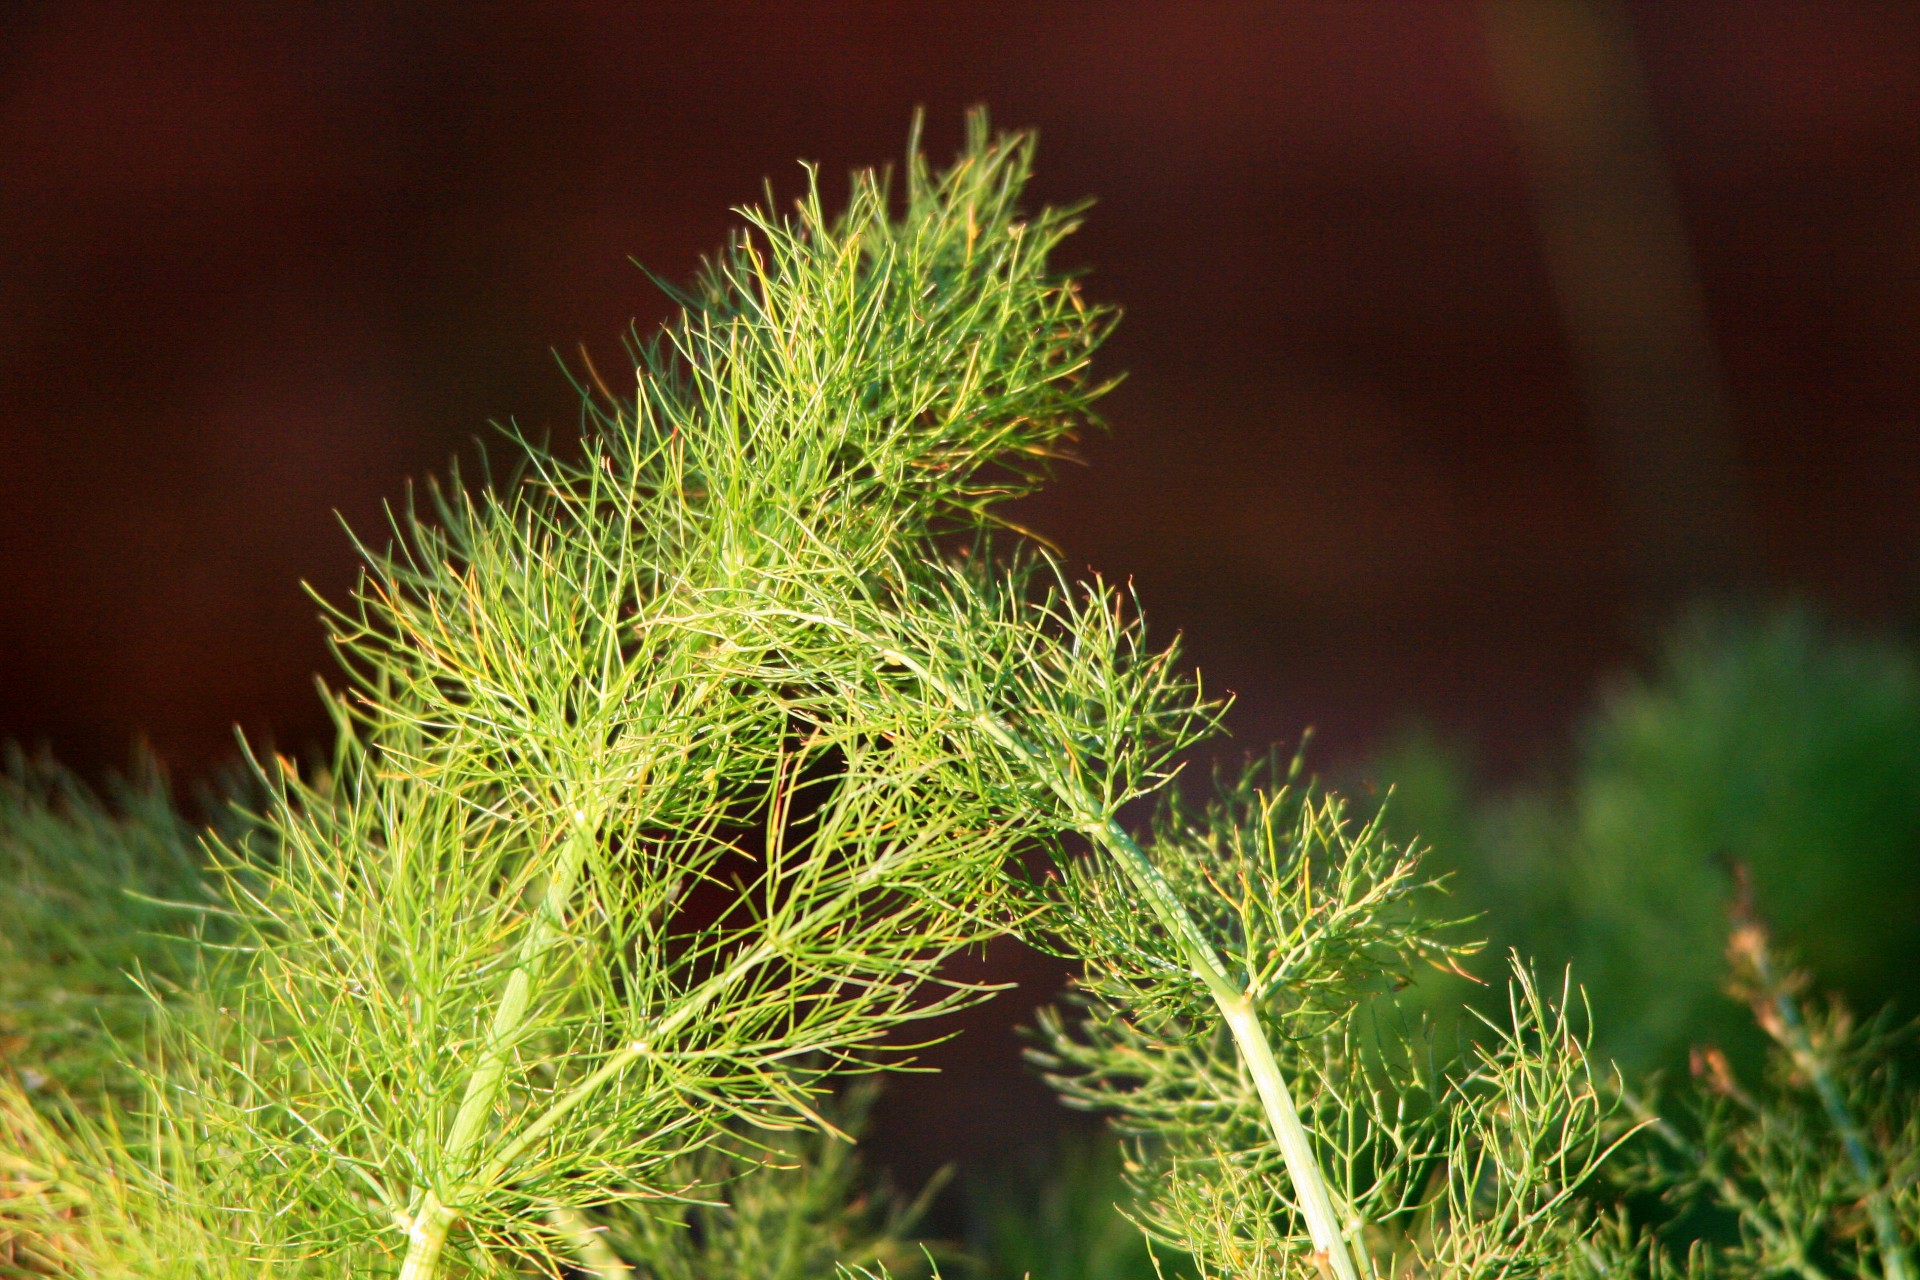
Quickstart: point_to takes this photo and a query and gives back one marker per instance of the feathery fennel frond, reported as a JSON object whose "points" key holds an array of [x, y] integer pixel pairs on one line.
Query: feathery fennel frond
{"points": [[639, 824], [617, 848], [107, 1195], [669, 773], [1432, 1166]]}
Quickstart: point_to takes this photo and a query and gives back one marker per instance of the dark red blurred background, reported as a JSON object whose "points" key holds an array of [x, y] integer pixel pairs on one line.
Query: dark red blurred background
{"points": [[262, 263]]}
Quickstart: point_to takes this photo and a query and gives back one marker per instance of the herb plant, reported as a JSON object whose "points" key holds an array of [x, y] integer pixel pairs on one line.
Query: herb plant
{"points": [[670, 770], [667, 775], [1427, 1162]]}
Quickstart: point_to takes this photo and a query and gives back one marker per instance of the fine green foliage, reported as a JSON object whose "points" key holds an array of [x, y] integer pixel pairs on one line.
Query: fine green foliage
{"points": [[1767, 770], [666, 778], [629, 832], [1438, 1165], [669, 772], [109, 1194], [1778, 745]]}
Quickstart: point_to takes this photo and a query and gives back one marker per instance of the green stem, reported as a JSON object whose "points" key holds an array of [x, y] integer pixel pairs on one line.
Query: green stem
{"points": [[625, 1056], [1283, 1116], [661, 1032], [436, 1213], [589, 1245]]}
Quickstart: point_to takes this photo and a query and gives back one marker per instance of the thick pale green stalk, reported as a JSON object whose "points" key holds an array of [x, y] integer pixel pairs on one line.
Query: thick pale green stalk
{"points": [[434, 1217], [1276, 1099], [1283, 1117]]}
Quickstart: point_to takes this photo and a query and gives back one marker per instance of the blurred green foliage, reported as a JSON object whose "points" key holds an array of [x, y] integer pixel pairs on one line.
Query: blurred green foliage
{"points": [[1809, 1168], [1775, 742], [91, 881], [790, 1205], [1064, 1220]]}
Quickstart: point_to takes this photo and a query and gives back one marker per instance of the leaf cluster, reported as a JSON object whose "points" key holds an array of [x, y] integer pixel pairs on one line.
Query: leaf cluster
{"points": [[667, 775], [1438, 1163]]}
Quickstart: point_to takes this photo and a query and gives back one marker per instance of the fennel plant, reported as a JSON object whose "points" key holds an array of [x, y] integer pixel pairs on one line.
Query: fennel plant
{"points": [[667, 774], [670, 769]]}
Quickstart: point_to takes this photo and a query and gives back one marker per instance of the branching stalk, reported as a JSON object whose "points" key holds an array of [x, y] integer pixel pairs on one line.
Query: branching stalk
{"points": [[1283, 1116], [622, 1058], [435, 1215]]}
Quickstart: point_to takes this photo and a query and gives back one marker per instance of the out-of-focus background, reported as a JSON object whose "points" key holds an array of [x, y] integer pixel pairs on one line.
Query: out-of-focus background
{"points": [[1469, 346]]}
